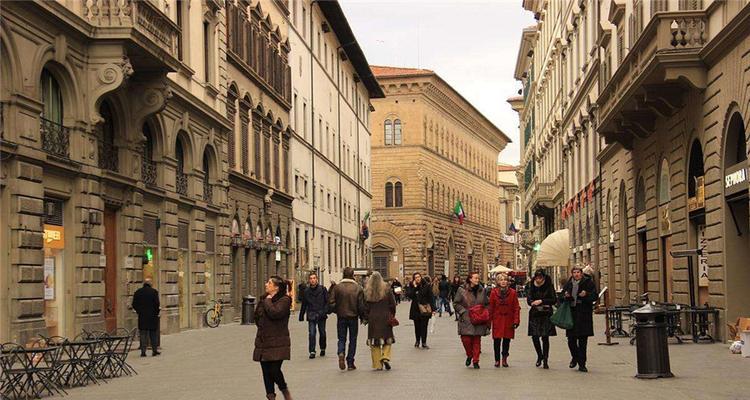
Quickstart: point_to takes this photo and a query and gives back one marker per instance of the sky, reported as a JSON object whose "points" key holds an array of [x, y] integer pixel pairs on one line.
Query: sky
{"points": [[471, 44]]}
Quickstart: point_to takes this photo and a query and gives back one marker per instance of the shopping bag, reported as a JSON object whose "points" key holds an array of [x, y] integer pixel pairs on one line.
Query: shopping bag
{"points": [[432, 325], [563, 317]]}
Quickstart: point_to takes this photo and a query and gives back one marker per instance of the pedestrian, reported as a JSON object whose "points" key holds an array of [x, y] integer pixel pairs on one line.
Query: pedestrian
{"points": [[380, 310], [272, 342], [505, 313], [315, 309], [454, 287], [347, 301], [540, 296], [397, 289], [444, 288], [468, 296], [146, 304], [580, 292], [421, 309]]}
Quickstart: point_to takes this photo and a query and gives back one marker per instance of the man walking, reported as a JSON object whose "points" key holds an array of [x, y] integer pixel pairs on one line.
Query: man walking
{"points": [[444, 288], [347, 301], [146, 304], [314, 307]]}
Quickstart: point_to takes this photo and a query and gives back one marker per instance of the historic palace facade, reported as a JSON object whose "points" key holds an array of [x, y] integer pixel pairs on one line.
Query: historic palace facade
{"points": [[430, 149]]}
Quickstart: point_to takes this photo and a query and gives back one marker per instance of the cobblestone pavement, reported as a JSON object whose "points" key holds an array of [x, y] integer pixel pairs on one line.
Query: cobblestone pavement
{"points": [[217, 364]]}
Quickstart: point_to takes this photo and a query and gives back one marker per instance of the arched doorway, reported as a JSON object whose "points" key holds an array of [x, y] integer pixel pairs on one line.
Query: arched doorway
{"points": [[623, 268], [697, 229], [736, 220], [640, 234]]}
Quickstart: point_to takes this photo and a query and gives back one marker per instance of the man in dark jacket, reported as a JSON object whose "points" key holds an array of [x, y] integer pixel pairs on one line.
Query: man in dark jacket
{"points": [[444, 288], [347, 301], [146, 304], [580, 292], [314, 307]]}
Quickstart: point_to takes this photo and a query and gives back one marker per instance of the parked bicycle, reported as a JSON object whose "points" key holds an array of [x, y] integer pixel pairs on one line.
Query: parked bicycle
{"points": [[213, 314]]}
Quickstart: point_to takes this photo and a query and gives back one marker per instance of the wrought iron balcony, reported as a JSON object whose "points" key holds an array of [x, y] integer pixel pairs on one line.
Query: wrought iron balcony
{"points": [[55, 138], [208, 192], [181, 182], [148, 172], [108, 157]]}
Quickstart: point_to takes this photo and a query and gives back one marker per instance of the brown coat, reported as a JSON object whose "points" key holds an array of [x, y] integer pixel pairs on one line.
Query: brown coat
{"points": [[377, 314], [272, 341]]}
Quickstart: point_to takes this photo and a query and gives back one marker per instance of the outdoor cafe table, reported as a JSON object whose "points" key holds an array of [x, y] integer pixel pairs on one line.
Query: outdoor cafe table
{"points": [[110, 362], [36, 362], [80, 363]]}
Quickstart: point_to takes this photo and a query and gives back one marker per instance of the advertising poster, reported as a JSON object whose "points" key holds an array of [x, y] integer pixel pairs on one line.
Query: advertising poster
{"points": [[49, 278]]}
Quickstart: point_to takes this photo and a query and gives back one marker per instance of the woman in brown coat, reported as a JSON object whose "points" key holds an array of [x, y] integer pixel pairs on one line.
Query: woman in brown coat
{"points": [[380, 306], [272, 343]]}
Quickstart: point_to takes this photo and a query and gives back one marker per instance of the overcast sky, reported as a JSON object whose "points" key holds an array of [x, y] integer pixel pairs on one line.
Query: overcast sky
{"points": [[472, 44]]}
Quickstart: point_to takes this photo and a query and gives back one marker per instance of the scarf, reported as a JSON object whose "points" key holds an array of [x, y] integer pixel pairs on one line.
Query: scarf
{"points": [[575, 291], [503, 293]]}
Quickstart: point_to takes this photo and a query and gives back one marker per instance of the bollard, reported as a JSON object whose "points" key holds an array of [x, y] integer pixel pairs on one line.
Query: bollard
{"points": [[652, 350], [248, 310]]}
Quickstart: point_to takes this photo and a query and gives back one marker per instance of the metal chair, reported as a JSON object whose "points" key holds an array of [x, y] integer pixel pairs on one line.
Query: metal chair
{"points": [[12, 370]]}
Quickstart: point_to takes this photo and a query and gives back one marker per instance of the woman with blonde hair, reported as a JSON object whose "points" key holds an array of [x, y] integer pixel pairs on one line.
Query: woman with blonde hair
{"points": [[380, 314]]}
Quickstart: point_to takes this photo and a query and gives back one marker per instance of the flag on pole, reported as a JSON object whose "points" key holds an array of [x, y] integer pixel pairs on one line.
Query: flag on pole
{"points": [[458, 211], [512, 228]]}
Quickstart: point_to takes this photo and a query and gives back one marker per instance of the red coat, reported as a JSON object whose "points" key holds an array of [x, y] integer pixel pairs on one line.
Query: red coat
{"points": [[504, 314]]}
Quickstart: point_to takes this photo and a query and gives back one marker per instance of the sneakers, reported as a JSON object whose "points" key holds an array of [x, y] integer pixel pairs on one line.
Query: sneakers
{"points": [[468, 361], [351, 367], [342, 362], [476, 365], [387, 365], [312, 355]]}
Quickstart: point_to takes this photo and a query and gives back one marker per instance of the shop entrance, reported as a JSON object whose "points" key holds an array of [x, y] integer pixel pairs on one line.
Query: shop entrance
{"points": [[666, 269], [110, 269], [54, 268]]}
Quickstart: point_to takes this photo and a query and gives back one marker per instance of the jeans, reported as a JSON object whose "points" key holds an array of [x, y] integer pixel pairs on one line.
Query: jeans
{"points": [[314, 327], [505, 344], [542, 349], [147, 336], [420, 330], [352, 326], [577, 346], [272, 375], [472, 346], [444, 303]]}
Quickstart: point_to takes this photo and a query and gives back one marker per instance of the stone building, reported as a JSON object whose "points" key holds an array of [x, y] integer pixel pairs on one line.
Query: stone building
{"points": [[113, 163], [259, 142], [430, 149], [330, 144], [509, 212]]}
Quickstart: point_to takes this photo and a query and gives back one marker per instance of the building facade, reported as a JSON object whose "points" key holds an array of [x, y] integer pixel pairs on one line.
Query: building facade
{"points": [[509, 214], [330, 141], [431, 148], [651, 121], [113, 143]]}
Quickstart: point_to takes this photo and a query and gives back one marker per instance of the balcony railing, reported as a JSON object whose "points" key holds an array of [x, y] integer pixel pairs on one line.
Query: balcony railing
{"points": [[55, 138], [148, 172], [181, 183], [108, 158], [208, 192]]}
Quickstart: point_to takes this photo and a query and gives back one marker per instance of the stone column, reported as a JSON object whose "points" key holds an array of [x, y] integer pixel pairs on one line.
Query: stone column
{"points": [[170, 318], [131, 247], [198, 290], [88, 228]]}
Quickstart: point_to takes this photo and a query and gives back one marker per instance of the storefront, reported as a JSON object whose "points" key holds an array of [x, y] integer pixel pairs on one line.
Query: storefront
{"points": [[54, 269]]}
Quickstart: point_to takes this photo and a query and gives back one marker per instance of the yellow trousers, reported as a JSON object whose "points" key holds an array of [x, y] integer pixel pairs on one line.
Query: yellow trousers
{"points": [[380, 354]]}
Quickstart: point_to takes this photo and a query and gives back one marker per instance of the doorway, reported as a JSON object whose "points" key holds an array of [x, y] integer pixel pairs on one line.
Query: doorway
{"points": [[611, 291], [110, 269], [642, 263], [183, 274], [430, 262], [666, 268]]}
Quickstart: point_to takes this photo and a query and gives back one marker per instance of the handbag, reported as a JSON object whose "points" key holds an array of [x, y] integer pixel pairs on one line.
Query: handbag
{"points": [[425, 310], [563, 317], [393, 321], [479, 315], [542, 310]]}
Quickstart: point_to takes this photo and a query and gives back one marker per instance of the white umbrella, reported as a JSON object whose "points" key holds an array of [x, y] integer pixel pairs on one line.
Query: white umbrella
{"points": [[500, 269], [555, 250]]}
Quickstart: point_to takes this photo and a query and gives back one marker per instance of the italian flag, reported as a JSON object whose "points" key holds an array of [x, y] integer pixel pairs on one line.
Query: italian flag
{"points": [[458, 210]]}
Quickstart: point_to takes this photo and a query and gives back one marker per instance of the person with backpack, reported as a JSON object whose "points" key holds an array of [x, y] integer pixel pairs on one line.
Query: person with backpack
{"points": [[470, 304]]}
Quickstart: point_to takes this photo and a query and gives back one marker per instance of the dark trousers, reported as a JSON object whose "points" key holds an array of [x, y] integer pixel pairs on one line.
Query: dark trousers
{"points": [[314, 327], [472, 346], [577, 346], [152, 336], [542, 349], [420, 329], [272, 375], [505, 343], [344, 325], [444, 303]]}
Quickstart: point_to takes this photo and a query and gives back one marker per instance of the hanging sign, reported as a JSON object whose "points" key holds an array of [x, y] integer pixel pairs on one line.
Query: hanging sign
{"points": [[278, 255], [54, 237], [735, 179], [702, 258]]}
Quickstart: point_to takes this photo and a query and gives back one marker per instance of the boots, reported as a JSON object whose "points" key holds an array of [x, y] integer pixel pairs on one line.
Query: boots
{"points": [[287, 395], [505, 361], [271, 396]]}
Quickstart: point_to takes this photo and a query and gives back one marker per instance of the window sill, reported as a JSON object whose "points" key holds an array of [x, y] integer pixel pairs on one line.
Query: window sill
{"points": [[211, 89]]}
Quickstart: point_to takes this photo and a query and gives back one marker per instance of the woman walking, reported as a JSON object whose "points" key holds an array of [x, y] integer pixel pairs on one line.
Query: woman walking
{"points": [[468, 296], [580, 292], [540, 295], [505, 313], [421, 310], [380, 309], [272, 344]]}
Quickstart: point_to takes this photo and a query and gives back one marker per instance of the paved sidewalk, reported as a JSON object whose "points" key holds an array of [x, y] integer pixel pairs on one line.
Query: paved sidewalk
{"points": [[217, 364]]}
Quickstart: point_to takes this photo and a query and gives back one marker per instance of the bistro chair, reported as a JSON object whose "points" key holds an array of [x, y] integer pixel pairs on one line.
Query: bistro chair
{"points": [[12, 368]]}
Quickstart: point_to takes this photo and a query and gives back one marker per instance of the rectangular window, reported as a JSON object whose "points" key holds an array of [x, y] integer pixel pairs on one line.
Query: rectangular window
{"points": [[304, 120], [206, 52], [180, 24], [295, 114]]}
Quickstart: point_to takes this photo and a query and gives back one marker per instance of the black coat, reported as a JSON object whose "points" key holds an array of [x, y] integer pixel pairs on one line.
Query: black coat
{"points": [[445, 288], [539, 322], [315, 303], [146, 304], [583, 320], [421, 294]]}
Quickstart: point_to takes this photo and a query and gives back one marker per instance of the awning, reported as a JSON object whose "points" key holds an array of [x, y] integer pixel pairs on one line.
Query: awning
{"points": [[555, 250], [500, 269]]}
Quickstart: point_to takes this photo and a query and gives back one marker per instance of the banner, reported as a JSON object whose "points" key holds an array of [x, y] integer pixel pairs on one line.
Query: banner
{"points": [[508, 238]]}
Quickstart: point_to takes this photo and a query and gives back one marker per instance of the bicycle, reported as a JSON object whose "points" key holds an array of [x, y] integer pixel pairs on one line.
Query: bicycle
{"points": [[213, 314]]}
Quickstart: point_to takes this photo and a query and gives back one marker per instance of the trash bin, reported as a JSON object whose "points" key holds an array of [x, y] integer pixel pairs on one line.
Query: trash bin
{"points": [[652, 350], [745, 337], [248, 310]]}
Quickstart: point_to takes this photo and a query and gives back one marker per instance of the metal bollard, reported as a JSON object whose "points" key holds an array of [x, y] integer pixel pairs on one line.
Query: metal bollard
{"points": [[652, 350], [248, 310]]}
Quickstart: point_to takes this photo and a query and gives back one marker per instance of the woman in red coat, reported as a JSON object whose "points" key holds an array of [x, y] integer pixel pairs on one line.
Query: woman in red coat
{"points": [[506, 316]]}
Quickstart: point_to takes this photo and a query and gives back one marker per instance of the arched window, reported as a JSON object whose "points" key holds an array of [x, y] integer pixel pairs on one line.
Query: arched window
{"points": [[664, 186], [180, 177], [207, 189], [398, 195], [55, 137], [389, 194], [388, 132], [397, 132], [148, 167], [640, 196], [695, 168], [107, 149]]}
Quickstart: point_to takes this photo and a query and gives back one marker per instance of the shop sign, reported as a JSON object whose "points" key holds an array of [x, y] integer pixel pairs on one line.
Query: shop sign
{"points": [[54, 237], [735, 179], [278, 255], [699, 201], [49, 278], [665, 222], [703, 257]]}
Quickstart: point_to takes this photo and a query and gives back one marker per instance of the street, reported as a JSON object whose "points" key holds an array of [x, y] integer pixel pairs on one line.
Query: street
{"points": [[217, 364]]}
